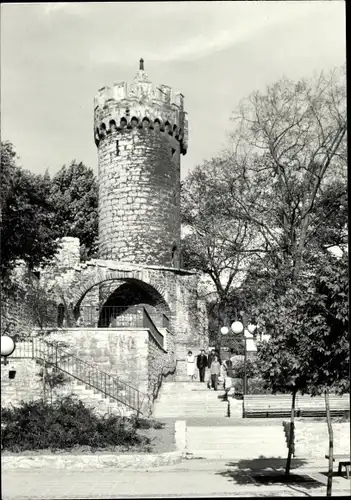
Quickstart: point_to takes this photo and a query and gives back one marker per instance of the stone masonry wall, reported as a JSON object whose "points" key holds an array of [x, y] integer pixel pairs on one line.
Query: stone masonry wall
{"points": [[26, 386], [161, 366], [139, 189], [311, 438], [121, 353]]}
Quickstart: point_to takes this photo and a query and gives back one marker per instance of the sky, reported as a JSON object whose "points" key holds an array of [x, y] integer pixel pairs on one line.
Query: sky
{"points": [[54, 58]]}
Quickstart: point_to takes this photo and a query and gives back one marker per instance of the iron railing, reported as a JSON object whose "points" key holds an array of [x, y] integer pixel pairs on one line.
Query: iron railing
{"points": [[54, 355], [110, 316], [123, 317], [148, 323], [165, 321], [118, 316]]}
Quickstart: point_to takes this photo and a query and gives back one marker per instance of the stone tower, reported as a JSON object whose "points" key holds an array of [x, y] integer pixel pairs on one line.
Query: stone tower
{"points": [[140, 130]]}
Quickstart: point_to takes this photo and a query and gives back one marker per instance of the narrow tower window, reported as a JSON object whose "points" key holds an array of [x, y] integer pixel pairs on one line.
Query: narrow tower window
{"points": [[117, 148], [174, 255], [60, 315]]}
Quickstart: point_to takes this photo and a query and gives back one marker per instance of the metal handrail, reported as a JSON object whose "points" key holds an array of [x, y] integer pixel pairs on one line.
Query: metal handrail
{"points": [[149, 324], [90, 375]]}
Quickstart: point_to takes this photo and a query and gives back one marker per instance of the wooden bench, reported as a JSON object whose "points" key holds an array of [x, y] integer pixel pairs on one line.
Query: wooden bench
{"points": [[344, 461], [267, 405], [279, 405], [308, 406]]}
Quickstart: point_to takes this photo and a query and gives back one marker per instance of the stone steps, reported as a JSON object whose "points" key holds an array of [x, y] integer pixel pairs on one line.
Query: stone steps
{"points": [[95, 399], [188, 400]]}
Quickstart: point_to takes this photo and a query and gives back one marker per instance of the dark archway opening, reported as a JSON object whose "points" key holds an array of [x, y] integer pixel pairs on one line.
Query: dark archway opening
{"points": [[128, 304]]}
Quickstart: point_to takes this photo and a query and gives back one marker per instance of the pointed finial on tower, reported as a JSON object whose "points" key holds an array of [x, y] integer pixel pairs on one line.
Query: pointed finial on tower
{"points": [[141, 64]]}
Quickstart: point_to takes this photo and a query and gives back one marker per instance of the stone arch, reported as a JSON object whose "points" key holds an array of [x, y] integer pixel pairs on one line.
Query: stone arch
{"points": [[123, 122], [168, 128], [146, 122], [86, 279], [131, 298], [157, 124], [134, 122], [113, 126], [103, 130]]}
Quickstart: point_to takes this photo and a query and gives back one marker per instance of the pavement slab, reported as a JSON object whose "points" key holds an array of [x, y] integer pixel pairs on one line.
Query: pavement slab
{"points": [[188, 479]]}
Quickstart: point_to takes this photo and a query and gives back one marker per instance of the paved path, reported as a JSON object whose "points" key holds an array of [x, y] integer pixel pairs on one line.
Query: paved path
{"points": [[191, 478]]}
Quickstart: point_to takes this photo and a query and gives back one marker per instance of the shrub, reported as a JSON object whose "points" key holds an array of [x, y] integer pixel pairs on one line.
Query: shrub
{"points": [[239, 369], [146, 423], [65, 424], [254, 386]]}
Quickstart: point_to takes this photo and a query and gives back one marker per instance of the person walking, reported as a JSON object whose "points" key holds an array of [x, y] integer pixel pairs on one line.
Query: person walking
{"points": [[201, 364], [210, 358], [215, 371], [190, 365], [229, 377]]}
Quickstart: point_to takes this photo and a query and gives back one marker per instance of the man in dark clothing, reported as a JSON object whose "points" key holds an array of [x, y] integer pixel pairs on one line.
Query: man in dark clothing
{"points": [[210, 358], [228, 383], [201, 364]]}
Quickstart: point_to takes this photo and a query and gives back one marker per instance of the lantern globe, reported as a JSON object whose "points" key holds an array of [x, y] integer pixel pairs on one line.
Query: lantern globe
{"points": [[237, 327], [251, 328], [224, 330], [7, 345]]}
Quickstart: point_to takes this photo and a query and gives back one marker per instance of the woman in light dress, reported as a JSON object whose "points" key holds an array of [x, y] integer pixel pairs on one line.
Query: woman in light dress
{"points": [[190, 365]]}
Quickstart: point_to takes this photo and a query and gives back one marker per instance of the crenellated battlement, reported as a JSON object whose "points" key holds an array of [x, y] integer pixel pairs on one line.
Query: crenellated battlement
{"points": [[140, 105]]}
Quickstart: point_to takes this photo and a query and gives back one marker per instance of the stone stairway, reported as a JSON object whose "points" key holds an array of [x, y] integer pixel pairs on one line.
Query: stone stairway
{"points": [[210, 432], [184, 400], [237, 442], [94, 399]]}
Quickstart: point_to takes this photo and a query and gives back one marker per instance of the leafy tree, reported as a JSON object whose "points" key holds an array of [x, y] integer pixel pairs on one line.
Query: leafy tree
{"points": [[218, 245], [74, 194], [26, 215], [330, 218], [309, 350]]}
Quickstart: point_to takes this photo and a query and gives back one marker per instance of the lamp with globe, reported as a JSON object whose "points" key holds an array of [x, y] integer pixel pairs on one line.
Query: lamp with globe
{"points": [[237, 328], [7, 348]]}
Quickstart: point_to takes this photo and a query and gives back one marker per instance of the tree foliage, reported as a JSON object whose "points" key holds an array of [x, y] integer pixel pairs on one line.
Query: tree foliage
{"points": [[217, 244], [26, 214], [74, 194], [309, 347], [277, 196]]}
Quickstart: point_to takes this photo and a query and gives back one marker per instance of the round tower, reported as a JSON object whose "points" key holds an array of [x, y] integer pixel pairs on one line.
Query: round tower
{"points": [[140, 131]]}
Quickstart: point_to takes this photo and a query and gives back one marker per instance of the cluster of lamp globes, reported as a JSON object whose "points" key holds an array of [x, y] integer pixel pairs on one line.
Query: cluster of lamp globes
{"points": [[238, 327]]}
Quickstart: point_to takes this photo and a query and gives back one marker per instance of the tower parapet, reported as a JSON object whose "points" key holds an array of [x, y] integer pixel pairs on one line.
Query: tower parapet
{"points": [[140, 105]]}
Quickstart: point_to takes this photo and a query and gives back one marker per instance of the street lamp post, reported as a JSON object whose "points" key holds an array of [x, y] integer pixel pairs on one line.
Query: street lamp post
{"points": [[247, 334], [7, 347], [237, 328]]}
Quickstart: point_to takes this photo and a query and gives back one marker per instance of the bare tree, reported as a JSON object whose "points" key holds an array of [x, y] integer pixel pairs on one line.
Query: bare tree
{"points": [[288, 146]]}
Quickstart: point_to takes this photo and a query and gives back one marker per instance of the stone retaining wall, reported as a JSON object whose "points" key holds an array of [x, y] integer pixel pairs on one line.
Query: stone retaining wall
{"points": [[312, 440], [96, 461], [161, 367], [26, 386], [118, 352]]}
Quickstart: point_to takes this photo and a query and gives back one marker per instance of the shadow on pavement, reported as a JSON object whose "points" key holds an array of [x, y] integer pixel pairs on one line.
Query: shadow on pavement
{"points": [[264, 471]]}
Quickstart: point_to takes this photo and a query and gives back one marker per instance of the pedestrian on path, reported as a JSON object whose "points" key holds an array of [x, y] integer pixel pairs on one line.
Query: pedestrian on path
{"points": [[229, 378], [201, 363], [215, 372], [210, 358], [190, 365]]}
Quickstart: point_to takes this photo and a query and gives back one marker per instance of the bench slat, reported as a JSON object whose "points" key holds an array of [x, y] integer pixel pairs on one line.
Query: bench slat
{"points": [[280, 404]]}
